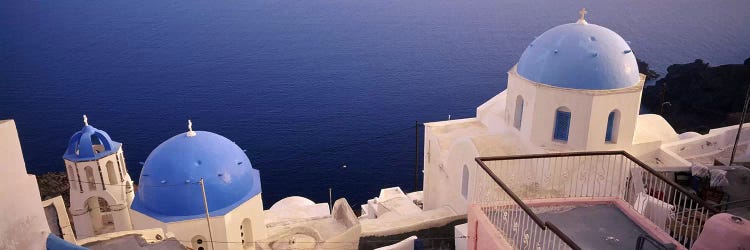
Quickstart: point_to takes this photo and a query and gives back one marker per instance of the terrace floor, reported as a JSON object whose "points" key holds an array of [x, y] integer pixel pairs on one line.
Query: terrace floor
{"points": [[739, 197], [595, 226], [592, 223]]}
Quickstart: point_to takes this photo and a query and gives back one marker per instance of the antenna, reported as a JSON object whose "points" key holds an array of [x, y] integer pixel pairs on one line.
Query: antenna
{"points": [[205, 205]]}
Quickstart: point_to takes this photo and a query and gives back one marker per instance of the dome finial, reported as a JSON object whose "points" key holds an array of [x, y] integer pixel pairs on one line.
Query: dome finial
{"points": [[582, 12], [190, 132], [85, 120]]}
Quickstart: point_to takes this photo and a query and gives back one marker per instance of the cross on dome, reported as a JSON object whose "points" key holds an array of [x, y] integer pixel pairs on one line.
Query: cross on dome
{"points": [[582, 12], [190, 132]]}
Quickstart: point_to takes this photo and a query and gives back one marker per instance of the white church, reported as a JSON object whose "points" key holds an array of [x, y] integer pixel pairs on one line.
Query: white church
{"points": [[198, 187], [98, 181], [576, 87]]}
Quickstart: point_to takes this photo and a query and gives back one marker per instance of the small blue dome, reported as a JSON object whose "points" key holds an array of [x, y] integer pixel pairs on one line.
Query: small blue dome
{"points": [[580, 56], [89, 144], [169, 188]]}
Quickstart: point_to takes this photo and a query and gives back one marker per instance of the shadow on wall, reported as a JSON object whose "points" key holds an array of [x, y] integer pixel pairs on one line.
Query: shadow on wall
{"points": [[431, 238]]}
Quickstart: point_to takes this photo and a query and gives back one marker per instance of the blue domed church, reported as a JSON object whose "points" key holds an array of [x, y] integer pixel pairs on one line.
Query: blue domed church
{"points": [[576, 87], [197, 187], [198, 175]]}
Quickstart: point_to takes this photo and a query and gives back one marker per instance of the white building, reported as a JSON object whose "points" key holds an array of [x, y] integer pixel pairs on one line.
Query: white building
{"points": [[27, 221], [23, 224], [576, 87], [197, 187], [198, 174], [201, 187], [100, 187]]}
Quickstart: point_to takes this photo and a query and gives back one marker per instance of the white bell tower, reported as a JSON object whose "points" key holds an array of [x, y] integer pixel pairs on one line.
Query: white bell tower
{"points": [[101, 190]]}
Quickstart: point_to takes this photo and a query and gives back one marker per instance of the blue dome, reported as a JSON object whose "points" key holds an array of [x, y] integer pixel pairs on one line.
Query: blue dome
{"points": [[169, 188], [89, 144], [580, 56]]}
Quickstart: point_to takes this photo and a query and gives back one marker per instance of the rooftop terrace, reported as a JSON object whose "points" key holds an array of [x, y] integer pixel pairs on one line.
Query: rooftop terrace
{"points": [[587, 200]]}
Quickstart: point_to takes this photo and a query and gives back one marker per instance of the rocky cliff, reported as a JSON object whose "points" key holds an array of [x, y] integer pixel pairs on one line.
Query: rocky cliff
{"points": [[696, 96]]}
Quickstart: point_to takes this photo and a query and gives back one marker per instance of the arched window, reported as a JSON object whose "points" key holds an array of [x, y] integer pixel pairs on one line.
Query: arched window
{"points": [[612, 124], [199, 242], [121, 167], [72, 177], [111, 173], [100, 215], [465, 183], [246, 233], [90, 178], [519, 112], [96, 144], [562, 124]]}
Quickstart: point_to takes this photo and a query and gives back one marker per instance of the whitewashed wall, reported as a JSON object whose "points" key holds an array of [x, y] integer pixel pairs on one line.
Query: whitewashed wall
{"points": [[589, 112], [23, 224], [115, 193], [225, 230]]}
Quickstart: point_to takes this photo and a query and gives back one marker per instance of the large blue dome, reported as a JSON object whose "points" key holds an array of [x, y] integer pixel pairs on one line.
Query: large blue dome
{"points": [[169, 188], [580, 56]]}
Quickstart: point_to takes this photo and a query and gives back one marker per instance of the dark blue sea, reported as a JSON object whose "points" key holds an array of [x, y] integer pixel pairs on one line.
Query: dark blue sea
{"points": [[304, 86]]}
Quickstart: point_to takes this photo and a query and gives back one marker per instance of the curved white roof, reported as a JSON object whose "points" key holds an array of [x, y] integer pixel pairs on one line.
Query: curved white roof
{"points": [[292, 202]]}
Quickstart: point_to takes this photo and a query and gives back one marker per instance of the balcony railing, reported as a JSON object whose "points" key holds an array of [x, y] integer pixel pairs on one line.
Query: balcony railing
{"points": [[504, 183]]}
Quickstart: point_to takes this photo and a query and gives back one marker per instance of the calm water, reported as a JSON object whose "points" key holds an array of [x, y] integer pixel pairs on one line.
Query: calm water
{"points": [[304, 86]]}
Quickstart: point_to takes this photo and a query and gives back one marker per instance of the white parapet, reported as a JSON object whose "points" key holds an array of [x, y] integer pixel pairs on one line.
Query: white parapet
{"points": [[461, 232], [23, 224], [64, 228], [151, 235], [406, 244]]}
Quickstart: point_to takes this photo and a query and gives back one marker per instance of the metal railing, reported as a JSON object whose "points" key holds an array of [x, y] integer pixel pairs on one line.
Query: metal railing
{"points": [[509, 180], [646, 238]]}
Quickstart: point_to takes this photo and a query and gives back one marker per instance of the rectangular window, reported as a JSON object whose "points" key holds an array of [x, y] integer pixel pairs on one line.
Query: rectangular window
{"points": [[562, 125]]}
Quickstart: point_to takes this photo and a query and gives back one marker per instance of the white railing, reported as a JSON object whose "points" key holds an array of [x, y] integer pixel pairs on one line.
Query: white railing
{"points": [[503, 183]]}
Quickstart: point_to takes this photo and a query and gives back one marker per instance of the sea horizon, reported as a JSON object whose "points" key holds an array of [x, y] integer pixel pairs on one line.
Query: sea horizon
{"points": [[305, 88]]}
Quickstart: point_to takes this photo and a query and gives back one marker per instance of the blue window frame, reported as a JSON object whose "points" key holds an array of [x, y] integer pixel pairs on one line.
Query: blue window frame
{"points": [[562, 125], [610, 127]]}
